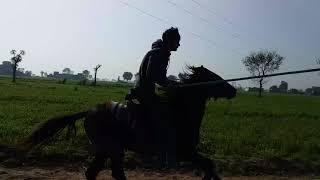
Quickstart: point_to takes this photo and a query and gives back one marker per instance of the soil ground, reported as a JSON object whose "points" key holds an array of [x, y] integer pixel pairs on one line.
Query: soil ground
{"points": [[77, 173]]}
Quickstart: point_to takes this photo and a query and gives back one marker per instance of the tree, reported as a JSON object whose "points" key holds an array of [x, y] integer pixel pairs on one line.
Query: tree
{"points": [[283, 87], [28, 73], [41, 73], [136, 77], [95, 73], [66, 71], [318, 60], [86, 73], [172, 77], [20, 70], [260, 63], [16, 59], [127, 76], [274, 88]]}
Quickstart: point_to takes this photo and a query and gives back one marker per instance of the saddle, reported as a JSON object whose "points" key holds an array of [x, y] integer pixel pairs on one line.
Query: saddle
{"points": [[136, 110]]}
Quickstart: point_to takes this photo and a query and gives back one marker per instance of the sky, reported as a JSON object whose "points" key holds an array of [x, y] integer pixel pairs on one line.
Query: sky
{"points": [[218, 34]]}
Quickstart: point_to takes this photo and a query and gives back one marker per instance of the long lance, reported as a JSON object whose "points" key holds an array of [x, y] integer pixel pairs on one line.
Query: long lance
{"points": [[246, 78]]}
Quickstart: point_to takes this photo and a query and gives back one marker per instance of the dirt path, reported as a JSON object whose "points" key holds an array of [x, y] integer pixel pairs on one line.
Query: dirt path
{"points": [[72, 173]]}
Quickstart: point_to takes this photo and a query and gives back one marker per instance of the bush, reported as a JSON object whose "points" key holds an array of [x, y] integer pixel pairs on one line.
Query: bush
{"points": [[62, 81], [83, 82]]}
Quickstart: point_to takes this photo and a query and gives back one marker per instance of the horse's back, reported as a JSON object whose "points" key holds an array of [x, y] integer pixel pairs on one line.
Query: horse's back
{"points": [[103, 123], [119, 122]]}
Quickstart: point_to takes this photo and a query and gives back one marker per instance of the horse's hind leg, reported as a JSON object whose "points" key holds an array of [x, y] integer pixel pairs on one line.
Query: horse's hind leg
{"points": [[208, 166], [96, 166], [96, 131], [117, 156]]}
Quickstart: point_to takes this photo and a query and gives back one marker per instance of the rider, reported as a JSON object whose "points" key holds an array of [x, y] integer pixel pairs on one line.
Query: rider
{"points": [[153, 70]]}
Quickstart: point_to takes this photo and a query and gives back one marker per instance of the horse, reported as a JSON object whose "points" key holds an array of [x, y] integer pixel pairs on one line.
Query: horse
{"points": [[109, 127]]}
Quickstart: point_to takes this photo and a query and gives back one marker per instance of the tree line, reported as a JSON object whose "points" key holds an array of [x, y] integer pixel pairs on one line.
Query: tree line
{"points": [[257, 63]]}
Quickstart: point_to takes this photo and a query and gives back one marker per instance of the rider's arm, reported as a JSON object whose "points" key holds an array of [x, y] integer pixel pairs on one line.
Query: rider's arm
{"points": [[157, 69]]}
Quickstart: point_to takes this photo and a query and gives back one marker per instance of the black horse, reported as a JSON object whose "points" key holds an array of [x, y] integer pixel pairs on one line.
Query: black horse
{"points": [[112, 127]]}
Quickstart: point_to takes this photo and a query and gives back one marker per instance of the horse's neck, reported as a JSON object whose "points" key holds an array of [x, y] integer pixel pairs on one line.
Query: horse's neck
{"points": [[189, 125], [198, 109]]}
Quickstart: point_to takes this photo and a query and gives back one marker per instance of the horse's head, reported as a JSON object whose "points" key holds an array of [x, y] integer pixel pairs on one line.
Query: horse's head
{"points": [[202, 74]]}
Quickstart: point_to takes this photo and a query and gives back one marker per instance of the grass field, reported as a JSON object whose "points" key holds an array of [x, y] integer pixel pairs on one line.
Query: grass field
{"points": [[277, 126]]}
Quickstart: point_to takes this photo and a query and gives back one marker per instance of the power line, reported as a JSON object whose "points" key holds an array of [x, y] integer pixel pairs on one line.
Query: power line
{"points": [[167, 22], [213, 12], [224, 18], [202, 19], [144, 12], [215, 44]]}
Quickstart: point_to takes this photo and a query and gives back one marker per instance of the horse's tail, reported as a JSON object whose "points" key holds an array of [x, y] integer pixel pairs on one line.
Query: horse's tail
{"points": [[47, 130]]}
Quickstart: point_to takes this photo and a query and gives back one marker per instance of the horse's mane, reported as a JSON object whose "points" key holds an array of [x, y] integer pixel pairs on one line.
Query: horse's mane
{"points": [[189, 74], [194, 74]]}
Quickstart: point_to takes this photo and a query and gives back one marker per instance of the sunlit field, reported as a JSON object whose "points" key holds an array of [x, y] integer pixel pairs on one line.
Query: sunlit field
{"points": [[275, 127]]}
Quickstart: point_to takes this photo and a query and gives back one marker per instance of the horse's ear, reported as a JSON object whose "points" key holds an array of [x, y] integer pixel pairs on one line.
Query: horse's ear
{"points": [[201, 66]]}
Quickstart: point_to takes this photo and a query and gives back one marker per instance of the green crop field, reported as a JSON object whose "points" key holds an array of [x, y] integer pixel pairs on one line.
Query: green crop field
{"points": [[274, 127]]}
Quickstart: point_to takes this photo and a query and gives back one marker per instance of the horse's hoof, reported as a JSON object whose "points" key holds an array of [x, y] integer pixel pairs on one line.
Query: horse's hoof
{"points": [[197, 172], [3, 156], [11, 163], [119, 177], [90, 174], [215, 177]]}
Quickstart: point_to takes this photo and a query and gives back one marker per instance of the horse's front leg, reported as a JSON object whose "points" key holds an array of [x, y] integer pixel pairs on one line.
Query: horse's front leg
{"points": [[207, 165], [117, 161], [96, 166]]}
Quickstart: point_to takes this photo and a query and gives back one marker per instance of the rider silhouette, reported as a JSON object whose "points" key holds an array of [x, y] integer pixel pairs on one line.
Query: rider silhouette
{"points": [[153, 70]]}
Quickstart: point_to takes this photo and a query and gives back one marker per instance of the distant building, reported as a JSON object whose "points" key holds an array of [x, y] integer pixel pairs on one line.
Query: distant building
{"points": [[308, 91], [6, 69], [295, 91], [57, 75], [6, 63], [314, 91]]}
